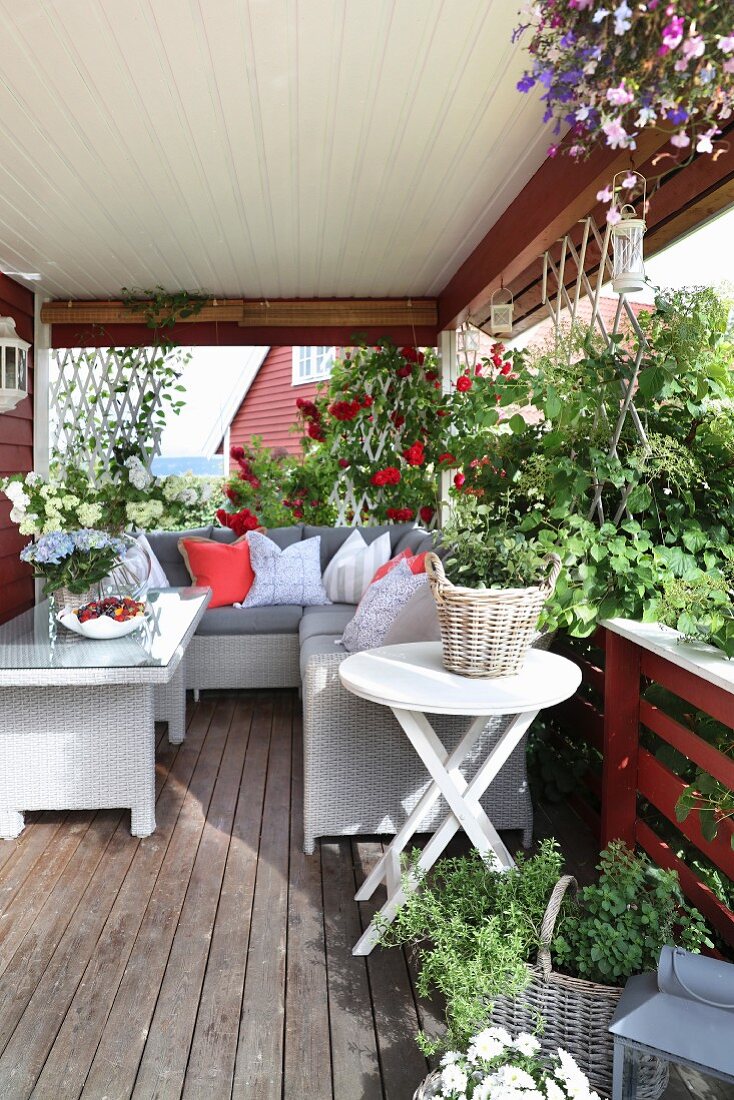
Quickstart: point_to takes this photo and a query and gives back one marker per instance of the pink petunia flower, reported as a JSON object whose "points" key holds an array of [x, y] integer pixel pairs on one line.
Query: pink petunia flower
{"points": [[605, 195], [613, 216], [617, 136], [619, 97], [726, 45], [680, 140]]}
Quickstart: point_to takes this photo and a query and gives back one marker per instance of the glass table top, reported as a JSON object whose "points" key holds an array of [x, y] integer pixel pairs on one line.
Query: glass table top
{"points": [[36, 640]]}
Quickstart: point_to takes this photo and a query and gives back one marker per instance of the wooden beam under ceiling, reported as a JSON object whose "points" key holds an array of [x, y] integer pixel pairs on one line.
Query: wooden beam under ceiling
{"points": [[277, 313], [556, 198]]}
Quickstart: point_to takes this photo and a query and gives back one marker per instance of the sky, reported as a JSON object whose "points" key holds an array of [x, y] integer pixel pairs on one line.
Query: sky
{"points": [[217, 377]]}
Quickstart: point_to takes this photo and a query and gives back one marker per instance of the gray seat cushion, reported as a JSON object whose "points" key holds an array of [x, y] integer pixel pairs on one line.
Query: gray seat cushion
{"points": [[281, 536], [325, 620], [233, 621], [320, 645], [164, 545]]}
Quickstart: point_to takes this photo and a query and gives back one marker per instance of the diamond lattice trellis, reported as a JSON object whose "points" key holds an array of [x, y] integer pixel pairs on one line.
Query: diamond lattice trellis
{"points": [[106, 391], [559, 297]]}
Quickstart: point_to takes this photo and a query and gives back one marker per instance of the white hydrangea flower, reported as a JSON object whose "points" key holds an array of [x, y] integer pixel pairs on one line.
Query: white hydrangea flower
{"points": [[28, 525], [188, 497], [526, 1043], [33, 479], [15, 492], [171, 487], [137, 473], [89, 515], [70, 501], [206, 492]]}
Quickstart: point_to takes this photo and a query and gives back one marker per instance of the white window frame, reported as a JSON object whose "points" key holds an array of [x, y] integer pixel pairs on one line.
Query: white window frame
{"points": [[311, 364]]}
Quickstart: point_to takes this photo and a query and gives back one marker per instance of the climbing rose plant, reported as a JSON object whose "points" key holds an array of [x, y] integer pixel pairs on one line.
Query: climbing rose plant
{"points": [[610, 72]]}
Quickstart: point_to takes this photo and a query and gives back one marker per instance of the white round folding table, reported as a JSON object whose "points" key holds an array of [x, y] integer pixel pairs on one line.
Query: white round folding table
{"points": [[412, 681]]}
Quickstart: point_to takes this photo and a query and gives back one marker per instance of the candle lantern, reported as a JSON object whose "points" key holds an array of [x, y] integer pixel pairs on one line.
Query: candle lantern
{"points": [[13, 366], [627, 239], [500, 318], [684, 1015]]}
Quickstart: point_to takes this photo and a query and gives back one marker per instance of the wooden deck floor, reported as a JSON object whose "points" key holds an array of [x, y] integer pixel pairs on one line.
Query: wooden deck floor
{"points": [[212, 959]]}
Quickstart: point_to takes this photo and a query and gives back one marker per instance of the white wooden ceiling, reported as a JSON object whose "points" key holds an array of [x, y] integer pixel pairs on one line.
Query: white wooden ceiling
{"points": [[257, 148]]}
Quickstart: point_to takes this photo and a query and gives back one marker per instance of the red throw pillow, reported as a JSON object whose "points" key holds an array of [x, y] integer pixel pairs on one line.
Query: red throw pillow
{"points": [[404, 555], [417, 562], [223, 567]]}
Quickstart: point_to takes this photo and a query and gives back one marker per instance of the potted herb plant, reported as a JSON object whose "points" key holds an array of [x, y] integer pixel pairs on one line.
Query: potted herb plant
{"points": [[513, 947]]}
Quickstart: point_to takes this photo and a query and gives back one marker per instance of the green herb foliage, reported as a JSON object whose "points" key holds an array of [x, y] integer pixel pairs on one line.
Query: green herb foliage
{"points": [[617, 926]]}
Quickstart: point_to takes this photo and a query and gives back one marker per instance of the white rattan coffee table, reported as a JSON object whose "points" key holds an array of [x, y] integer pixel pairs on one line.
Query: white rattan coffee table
{"points": [[412, 681], [77, 716]]}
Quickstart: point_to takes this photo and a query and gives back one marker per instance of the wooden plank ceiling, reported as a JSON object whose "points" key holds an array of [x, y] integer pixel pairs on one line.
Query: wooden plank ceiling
{"points": [[258, 149]]}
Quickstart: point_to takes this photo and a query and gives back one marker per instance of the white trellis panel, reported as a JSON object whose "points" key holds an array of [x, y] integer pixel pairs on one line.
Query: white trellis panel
{"points": [[103, 389], [557, 297]]}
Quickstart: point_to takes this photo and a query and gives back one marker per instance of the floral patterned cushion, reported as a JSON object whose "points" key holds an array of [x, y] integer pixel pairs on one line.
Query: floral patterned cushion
{"points": [[380, 606], [290, 576]]}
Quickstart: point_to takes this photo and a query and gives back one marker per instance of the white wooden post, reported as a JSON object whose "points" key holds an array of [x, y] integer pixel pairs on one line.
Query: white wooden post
{"points": [[449, 374], [41, 399], [41, 391]]}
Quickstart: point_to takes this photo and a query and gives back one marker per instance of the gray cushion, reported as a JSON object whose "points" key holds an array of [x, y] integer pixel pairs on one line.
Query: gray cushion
{"points": [[334, 537], [281, 536], [417, 621], [416, 539], [320, 645], [253, 620], [325, 620], [165, 547]]}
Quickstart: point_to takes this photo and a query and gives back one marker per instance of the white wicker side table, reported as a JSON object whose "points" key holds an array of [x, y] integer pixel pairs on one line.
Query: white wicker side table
{"points": [[77, 716], [412, 681]]}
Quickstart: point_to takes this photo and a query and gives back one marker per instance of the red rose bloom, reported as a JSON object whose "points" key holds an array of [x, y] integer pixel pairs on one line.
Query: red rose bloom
{"points": [[315, 431], [431, 375], [412, 355], [464, 384], [308, 408], [390, 475], [459, 480], [426, 513], [506, 368], [498, 348], [236, 452], [404, 371], [344, 463], [397, 419], [344, 410], [367, 401], [447, 459], [401, 515], [239, 522], [415, 455]]}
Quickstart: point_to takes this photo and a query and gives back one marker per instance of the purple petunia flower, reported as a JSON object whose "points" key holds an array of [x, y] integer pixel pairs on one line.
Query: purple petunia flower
{"points": [[526, 83]]}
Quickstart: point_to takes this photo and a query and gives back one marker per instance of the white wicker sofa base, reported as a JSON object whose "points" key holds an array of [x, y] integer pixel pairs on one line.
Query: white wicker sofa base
{"points": [[361, 776]]}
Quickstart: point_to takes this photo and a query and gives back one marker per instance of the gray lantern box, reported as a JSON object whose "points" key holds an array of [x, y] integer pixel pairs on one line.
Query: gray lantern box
{"points": [[684, 1014]]}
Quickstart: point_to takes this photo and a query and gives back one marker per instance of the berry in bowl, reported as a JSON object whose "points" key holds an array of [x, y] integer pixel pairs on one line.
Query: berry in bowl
{"points": [[111, 617]]}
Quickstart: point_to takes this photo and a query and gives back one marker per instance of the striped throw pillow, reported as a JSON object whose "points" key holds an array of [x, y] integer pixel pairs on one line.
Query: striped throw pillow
{"points": [[348, 574]]}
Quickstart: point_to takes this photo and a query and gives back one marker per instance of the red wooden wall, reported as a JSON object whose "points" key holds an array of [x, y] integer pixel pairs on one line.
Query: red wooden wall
{"points": [[269, 407], [16, 454]]}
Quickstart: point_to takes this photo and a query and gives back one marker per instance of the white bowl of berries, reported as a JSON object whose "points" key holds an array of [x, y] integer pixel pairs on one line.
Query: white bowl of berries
{"points": [[111, 617]]}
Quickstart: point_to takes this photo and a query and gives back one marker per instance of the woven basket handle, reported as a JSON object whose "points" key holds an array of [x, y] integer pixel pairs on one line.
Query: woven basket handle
{"points": [[436, 575], [549, 921], [549, 582]]}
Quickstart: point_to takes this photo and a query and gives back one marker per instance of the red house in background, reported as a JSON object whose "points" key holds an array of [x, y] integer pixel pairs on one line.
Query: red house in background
{"points": [[268, 408]]}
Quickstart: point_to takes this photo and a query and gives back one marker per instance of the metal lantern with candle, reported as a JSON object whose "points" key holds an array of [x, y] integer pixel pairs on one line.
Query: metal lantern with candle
{"points": [[684, 1014], [500, 318], [13, 366], [627, 236]]}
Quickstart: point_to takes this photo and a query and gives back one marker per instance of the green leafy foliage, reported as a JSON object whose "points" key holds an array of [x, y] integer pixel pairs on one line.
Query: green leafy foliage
{"points": [[617, 926]]}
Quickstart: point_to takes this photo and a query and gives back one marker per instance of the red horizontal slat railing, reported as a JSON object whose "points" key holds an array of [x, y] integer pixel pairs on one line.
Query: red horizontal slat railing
{"points": [[631, 773]]}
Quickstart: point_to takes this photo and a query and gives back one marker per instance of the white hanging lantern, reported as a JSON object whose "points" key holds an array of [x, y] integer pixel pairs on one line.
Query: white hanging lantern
{"points": [[627, 237], [13, 366], [500, 318]]}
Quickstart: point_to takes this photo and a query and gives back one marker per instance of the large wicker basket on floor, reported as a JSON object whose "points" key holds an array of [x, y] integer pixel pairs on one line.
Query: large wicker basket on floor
{"points": [[569, 1013], [487, 632]]}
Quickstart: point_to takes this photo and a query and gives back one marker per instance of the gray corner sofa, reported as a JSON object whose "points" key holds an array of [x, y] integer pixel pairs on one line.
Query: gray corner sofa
{"points": [[361, 776]]}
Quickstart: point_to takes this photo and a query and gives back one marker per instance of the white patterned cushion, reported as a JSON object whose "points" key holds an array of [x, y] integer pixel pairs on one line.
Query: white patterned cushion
{"points": [[290, 576], [355, 563], [380, 606]]}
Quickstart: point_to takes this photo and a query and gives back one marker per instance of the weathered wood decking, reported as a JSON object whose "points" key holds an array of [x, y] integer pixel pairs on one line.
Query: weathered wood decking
{"points": [[212, 959]]}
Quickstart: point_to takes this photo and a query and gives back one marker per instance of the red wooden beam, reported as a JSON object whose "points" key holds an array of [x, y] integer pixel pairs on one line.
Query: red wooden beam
{"points": [[230, 334], [661, 787], [621, 740], [703, 695], [559, 194], [686, 741]]}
